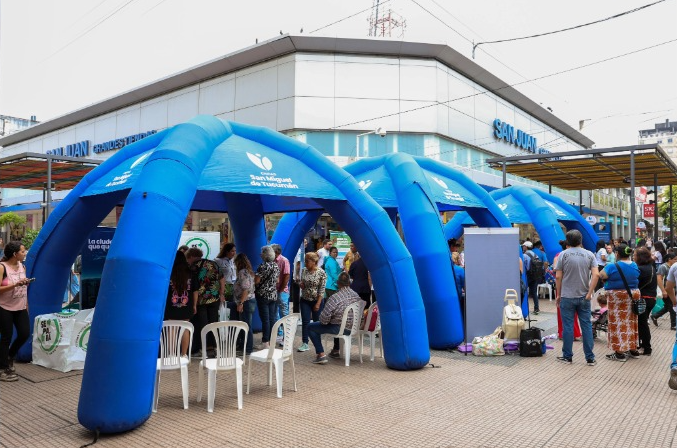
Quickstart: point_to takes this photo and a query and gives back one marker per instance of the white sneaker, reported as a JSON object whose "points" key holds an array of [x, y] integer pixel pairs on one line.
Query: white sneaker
{"points": [[303, 348]]}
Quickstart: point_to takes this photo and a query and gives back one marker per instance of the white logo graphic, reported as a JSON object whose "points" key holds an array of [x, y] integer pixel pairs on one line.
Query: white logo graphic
{"points": [[263, 163], [503, 208], [558, 212], [440, 182], [364, 184], [268, 179], [140, 159], [450, 195]]}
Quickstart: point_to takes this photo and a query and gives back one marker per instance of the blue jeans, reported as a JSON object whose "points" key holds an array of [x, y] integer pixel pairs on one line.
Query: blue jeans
{"points": [[282, 307], [267, 312], [317, 329], [307, 313], [533, 292], [568, 307], [245, 316]]}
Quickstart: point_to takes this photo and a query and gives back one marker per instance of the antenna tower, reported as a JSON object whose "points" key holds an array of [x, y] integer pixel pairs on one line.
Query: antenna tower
{"points": [[385, 22]]}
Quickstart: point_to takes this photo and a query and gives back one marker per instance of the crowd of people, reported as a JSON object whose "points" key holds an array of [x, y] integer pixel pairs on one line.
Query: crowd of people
{"points": [[198, 287], [625, 282], [622, 279]]}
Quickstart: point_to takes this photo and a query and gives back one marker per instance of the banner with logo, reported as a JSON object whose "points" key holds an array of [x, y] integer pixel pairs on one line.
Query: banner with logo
{"points": [[60, 339], [208, 242], [94, 255], [640, 194], [341, 241], [649, 210], [251, 168]]}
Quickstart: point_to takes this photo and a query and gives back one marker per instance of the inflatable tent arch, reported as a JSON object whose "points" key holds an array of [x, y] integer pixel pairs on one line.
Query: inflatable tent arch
{"points": [[525, 205], [419, 188], [161, 177]]}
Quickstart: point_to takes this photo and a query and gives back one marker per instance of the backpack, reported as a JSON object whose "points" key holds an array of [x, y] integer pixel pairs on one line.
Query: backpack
{"points": [[531, 344], [536, 271], [513, 320]]}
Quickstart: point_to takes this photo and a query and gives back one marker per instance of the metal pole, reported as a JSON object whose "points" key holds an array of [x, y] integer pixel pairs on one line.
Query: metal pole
{"points": [[655, 205], [505, 176], [672, 238], [357, 147], [550, 187], [48, 199], [621, 233], [633, 228], [580, 202]]}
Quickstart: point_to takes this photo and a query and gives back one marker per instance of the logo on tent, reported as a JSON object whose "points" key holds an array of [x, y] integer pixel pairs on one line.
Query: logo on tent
{"points": [[140, 159], [503, 207], [263, 163], [365, 184], [558, 212], [440, 182], [450, 195]]}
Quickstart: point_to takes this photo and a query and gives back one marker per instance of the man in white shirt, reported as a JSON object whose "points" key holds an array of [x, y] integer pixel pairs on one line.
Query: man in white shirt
{"points": [[324, 252]]}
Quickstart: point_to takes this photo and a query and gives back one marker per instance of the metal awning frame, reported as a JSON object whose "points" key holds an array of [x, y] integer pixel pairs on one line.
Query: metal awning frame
{"points": [[548, 166], [50, 159]]}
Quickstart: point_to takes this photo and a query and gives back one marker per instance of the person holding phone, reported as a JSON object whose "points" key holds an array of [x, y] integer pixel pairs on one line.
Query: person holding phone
{"points": [[13, 307]]}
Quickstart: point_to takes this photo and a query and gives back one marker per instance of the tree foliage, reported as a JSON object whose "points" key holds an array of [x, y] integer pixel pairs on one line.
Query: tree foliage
{"points": [[664, 205], [12, 220], [29, 238]]}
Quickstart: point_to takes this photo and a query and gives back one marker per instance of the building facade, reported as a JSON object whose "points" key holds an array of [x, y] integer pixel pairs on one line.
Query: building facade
{"points": [[427, 98]]}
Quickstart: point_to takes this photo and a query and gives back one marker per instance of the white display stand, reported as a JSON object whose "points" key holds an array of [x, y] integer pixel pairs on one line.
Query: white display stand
{"points": [[208, 242], [491, 266]]}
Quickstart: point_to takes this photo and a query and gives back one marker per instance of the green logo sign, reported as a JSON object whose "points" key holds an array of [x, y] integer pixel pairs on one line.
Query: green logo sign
{"points": [[83, 338], [50, 335], [201, 244]]}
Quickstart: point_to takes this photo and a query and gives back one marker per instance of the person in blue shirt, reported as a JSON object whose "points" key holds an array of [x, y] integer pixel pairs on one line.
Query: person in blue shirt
{"points": [[332, 268], [538, 250], [622, 328]]}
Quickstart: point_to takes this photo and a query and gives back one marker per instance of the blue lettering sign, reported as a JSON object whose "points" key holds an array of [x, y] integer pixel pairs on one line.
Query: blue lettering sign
{"points": [[517, 137], [119, 143], [81, 149]]}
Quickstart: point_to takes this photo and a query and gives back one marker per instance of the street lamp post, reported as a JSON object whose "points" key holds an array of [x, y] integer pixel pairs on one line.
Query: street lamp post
{"points": [[380, 131]]}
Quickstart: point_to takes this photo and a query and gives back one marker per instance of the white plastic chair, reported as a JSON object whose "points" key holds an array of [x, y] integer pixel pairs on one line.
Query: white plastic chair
{"points": [[275, 356], [225, 334], [170, 356], [547, 288], [372, 334], [347, 339]]}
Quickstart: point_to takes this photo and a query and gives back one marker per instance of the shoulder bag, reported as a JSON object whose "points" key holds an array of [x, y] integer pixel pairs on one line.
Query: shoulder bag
{"points": [[639, 305]]}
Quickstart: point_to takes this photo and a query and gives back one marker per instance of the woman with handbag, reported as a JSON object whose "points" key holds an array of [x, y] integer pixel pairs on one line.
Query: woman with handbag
{"points": [[265, 282], [13, 308], [621, 283], [313, 282], [647, 289]]}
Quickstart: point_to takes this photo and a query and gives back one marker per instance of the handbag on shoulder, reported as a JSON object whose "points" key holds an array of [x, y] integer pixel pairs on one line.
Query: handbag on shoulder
{"points": [[639, 304]]}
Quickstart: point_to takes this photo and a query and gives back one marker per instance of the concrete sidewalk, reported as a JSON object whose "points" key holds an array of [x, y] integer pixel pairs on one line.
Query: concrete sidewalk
{"points": [[466, 402]]}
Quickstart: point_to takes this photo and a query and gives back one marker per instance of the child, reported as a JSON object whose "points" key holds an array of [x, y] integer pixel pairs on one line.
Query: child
{"points": [[601, 300]]}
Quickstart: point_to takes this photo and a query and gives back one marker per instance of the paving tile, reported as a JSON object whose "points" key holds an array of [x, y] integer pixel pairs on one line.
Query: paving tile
{"points": [[467, 402]]}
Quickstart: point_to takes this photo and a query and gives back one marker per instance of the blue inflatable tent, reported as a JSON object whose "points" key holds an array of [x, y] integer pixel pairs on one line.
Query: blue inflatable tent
{"points": [[418, 188], [545, 211], [205, 164]]}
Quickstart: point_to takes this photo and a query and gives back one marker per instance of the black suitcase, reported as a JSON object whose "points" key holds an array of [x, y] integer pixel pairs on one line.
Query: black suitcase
{"points": [[531, 344]]}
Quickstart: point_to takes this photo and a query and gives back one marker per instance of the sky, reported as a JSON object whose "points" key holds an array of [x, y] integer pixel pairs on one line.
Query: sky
{"points": [[60, 56]]}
